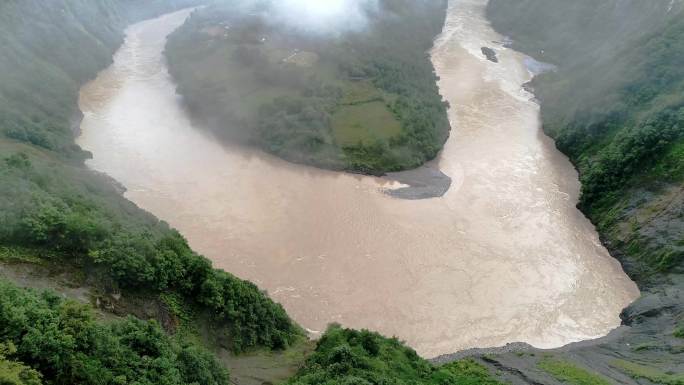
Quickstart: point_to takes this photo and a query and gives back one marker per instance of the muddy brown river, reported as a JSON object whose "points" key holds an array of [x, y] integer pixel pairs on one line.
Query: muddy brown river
{"points": [[504, 256]]}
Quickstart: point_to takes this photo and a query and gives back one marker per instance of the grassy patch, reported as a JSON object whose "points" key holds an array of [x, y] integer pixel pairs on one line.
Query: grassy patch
{"points": [[670, 167], [18, 255], [679, 332], [638, 371], [645, 346], [570, 373], [364, 123], [360, 92], [467, 372], [267, 367]]}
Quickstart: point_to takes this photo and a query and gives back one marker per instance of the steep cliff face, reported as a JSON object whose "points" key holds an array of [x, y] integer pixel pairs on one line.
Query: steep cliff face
{"points": [[615, 106]]}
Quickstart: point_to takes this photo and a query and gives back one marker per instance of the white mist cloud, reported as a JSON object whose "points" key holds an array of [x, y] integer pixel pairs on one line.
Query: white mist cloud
{"points": [[324, 15]]}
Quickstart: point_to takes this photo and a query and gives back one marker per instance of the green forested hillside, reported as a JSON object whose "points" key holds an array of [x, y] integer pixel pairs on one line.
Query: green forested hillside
{"points": [[55, 212], [65, 345], [616, 107], [363, 100]]}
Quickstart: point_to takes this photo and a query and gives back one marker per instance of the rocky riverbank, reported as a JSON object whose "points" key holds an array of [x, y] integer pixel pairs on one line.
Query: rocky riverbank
{"points": [[644, 350], [422, 183]]}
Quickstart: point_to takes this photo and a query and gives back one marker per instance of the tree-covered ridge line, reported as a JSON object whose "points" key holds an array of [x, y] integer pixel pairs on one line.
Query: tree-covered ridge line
{"points": [[363, 100]]}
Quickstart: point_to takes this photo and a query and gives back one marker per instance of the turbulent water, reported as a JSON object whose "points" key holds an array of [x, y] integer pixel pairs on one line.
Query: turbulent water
{"points": [[504, 256]]}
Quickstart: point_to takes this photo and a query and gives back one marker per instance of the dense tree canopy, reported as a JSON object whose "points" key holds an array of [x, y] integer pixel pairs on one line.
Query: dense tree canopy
{"points": [[345, 356], [65, 345], [14, 372]]}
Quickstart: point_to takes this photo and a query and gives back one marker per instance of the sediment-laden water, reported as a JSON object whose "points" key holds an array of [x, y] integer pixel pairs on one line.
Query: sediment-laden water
{"points": [[504, 256]]}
